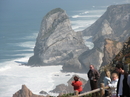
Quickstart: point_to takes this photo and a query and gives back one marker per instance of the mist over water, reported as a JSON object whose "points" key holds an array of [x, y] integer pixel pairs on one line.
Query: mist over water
{"points": [[19, 26]]}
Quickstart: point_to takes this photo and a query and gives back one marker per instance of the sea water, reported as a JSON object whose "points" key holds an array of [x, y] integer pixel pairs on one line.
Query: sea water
{"points": [[19, 26]]}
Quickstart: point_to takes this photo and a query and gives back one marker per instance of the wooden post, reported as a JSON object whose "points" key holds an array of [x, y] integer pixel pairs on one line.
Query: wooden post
{"points": [[76, 93], [102, 91]]}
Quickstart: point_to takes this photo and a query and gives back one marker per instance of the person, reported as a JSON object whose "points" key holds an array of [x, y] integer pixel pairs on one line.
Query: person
{"points": [[128, 82], [122, 85], [93, 76], [107, 80], [113, 84], [77, 84]]}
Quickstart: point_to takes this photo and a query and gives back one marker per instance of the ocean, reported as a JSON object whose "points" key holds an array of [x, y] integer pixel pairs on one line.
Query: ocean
{"points": [[20, 22]]}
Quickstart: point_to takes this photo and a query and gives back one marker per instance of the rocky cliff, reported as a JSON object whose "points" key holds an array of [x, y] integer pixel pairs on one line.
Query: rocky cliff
{"points": [[123, 57], [25, 92], [111, 49], [114, 52], [114, 25], [56, 42]]}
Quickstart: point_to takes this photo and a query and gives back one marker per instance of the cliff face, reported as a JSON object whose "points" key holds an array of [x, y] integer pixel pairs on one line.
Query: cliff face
{"points": [[56, 41], [114, 25], [123, 57], [111, 49]]}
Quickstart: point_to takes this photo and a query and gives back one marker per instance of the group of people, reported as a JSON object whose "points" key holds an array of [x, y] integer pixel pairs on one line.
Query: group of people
{"points": [[111, 81], [118, 82]]}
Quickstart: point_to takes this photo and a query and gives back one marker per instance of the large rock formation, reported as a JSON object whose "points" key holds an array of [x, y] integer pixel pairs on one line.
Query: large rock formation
{"points": [[56, 41], [114, 24], [25, 92]]}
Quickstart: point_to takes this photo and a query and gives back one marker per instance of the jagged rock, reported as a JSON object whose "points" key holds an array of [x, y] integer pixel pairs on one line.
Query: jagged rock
{"points": [[114, 25], [43, 92], [111, 49], [25, 92], [62, 89], [87, 87], [119, 57], [91, 57], [66, 89], [73, 65], [56, 41]]}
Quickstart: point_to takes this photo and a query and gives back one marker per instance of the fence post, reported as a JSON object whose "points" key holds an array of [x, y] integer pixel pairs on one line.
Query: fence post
{"points": [[76, 93], [102, 92]]}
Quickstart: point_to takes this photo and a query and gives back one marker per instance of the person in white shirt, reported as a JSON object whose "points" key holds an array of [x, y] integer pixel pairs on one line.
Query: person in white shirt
{"points": [[113, 84]]}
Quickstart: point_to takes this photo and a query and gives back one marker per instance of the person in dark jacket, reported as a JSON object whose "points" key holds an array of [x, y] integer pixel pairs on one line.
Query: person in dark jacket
{"points": [[122, 86], [93, 76]]}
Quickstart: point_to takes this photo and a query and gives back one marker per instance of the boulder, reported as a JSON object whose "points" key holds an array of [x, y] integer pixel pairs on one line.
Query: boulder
{"points": [[25, 92]]}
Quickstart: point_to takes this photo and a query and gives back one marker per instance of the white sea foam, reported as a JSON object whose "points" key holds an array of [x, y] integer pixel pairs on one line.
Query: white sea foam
{"points": [[35, 78], [29, 44], [85, 16], [33, 36], [25, 49], [92, 11], [3, 68], [79, 25], [87, 37], [88, 43]]}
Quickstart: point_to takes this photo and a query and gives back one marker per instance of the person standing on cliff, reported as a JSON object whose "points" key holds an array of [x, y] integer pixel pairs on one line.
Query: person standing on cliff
{"points": [[122, 85], [93, 76], [77, 85], [107, 80], [113, 84]]}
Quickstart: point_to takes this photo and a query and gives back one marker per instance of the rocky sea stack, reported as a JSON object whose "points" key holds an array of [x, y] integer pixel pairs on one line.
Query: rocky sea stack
{"points": [[56, 41]]}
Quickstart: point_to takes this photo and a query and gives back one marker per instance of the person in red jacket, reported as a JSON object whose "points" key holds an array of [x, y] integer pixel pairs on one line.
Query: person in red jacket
{"points": [[77, 84]]}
